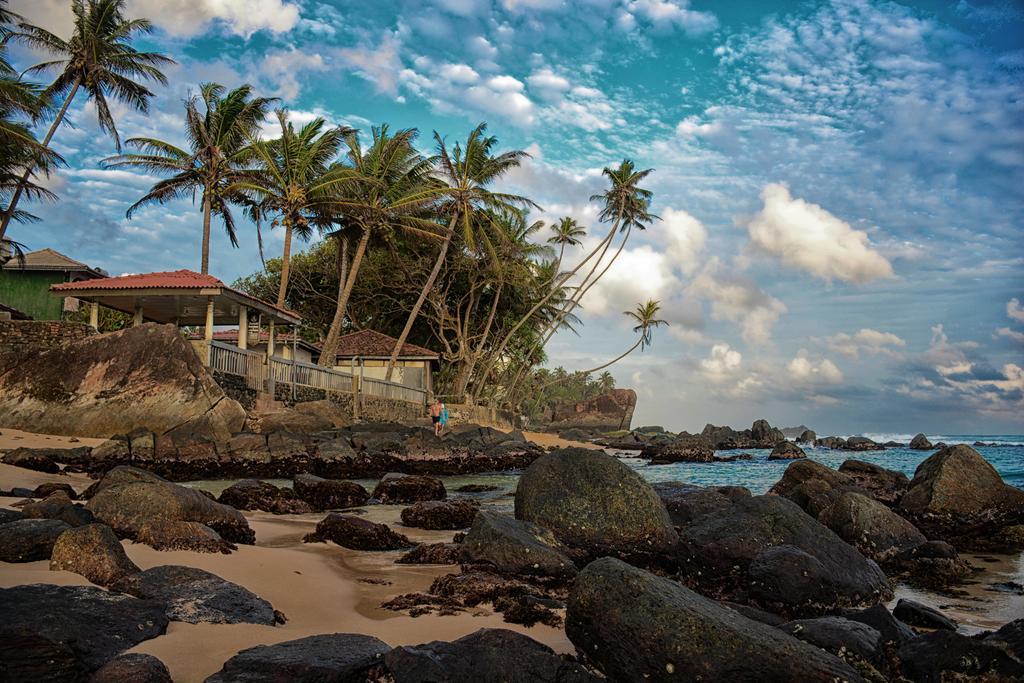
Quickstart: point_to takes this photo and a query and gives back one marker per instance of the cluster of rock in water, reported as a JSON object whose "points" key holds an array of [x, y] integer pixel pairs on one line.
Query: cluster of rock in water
{"points": [[670, 582]]}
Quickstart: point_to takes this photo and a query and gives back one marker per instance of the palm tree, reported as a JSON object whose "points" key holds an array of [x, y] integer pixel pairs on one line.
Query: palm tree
{"points": [[467, 172], [391, 189], [98, 58], [296, 182], [625, 205], [219, 156], [645, 316], [567, 233], [605, 382]]}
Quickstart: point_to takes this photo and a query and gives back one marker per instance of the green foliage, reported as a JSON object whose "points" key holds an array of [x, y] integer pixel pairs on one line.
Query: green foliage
{"points": [[109, 319], [546, 388]]}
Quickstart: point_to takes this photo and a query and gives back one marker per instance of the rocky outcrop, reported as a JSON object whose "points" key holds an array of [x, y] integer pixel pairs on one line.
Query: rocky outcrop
{"points": [[396, 487], [94, 552], [920, 443], [357, 534], [885, 486], [330, 657], [486, 655], [126, 507], [606, 413], [329, 494], [196, 596], [767, 550], [142, 377], [64, 633], [441, 514], [957, 496], [594, 503], [31, 459], [950, 656], [686, 502], [812, 486], [514, 547], [852, 641], [58, 505], [637, 626], [807, 437], [432, 553], [29, 540], [787, 450], [132, 667], [250, 494], [854, 443], [760, 435], [916, 614], [682, 448], [872, 528], [177, 535]]}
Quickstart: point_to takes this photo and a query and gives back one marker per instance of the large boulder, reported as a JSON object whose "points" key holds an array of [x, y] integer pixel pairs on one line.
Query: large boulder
{"points": [[132, 667], [161, 534], [807, 437], [441, 514], [765, 548], [812, 486], [31, 459], [594, 503], [512, 546], [957, 496], [636, 626], [94, 552], [686, 502], [918, 614], [122, 474], [949, 656], [683, 448], [63, 633], [357, 534], [885, 486], [341, 657], [760, 435], [786, 450], [58, 505], [920, 443], [196, 596], [869, 526], [487, 656], [127, 507], [147, 376], [250, 494], [29, 540], [606, 413], [850, 640], [395, 487], [329, 494]]}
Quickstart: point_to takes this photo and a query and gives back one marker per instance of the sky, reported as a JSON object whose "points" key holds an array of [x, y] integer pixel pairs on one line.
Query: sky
{"points": [[839, 184]]}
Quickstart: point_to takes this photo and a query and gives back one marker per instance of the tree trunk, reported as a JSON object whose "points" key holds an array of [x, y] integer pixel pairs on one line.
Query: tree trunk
{"points": [[330, 347], [207, 210], [419, 304], [9, 213], [286, 259], [462, 381]]}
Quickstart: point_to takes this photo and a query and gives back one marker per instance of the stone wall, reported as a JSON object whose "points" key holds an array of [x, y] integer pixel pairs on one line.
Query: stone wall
{"points": [[22, 338], [236, 388]]}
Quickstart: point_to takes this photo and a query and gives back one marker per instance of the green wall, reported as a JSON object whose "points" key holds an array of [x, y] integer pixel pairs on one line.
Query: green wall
{"points": [[29, 292]]}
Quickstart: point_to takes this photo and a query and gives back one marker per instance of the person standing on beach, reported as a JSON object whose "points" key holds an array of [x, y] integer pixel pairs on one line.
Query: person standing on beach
{"points": [[444, 418], [435, 416]]}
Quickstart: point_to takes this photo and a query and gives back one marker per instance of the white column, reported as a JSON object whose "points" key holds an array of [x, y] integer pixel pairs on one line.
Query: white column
{"points": [[208, 329], [270, 339], [94, 315], [137, 320], [243, 327]]}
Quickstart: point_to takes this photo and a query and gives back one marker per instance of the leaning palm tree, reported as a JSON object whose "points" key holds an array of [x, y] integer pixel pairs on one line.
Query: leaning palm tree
{"points": [[566, 233], [467, 172], [296, 183], [625, 205], [645, 316], [390, 189], [219, 156], [99, 59]]}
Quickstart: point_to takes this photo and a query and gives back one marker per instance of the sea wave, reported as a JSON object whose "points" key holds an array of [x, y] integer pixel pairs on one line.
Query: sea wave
{"points": [[950, 439]]}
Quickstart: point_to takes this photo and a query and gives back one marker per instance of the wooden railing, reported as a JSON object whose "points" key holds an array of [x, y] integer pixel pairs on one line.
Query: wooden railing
{"points": [[253, 366]]}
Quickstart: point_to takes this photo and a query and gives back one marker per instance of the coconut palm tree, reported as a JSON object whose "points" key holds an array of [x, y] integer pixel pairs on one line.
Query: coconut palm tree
{"points": [[625, 205], [467, 171], [99, 59], [567, 233], [296, 183], [218, 128], [390, 189], [605, 382], [645, 316]]}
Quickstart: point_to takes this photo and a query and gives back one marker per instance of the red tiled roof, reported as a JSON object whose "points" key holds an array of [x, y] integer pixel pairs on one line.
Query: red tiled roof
{"points": [[372, 344]]}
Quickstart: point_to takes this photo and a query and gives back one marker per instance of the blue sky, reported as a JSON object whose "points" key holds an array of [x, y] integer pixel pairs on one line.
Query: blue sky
{"points": [[842, 233]]}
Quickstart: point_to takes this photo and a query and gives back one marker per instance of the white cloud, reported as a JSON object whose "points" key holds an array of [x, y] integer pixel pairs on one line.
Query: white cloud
{"points": [[547, 84], [460, 73], [722, 363], [505, 84], [867, 340], [684, 236], [667, 14], [1011, 334], [691, 127], [739, 300], [1014, 310], [380, 65], [806, 236], [282, 70], [807, 371]]}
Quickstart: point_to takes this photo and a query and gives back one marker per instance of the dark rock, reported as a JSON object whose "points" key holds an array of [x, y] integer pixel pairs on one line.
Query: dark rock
{"points": [[94, 552], [862, 443], [686, 502], [807, 436], [63, 633], [892, 630], [441, 514], [44, 490], [957, 496], [432, 553], [920, 443], [595, 503], [885, 486], [949, 656], [58, 506], [329, 494], [7, 515], [122, 474], [294, 421], [250, 494], [178, 535], [933, 564], [812, 486], [341, 657], [637, 626], [683, 448], [575, 435], [787, 450], [842, 637], [196, 596], [32, 459], [872, 528], [515, 547], [487, 656], [29, 540], [758, 543], [1010, 637], [916, 614], [407, 488], [604, 413], [126, 507], [477, 488], [132, 667], [357, 534], [760, 435], [473, 588], [756, 614]]}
